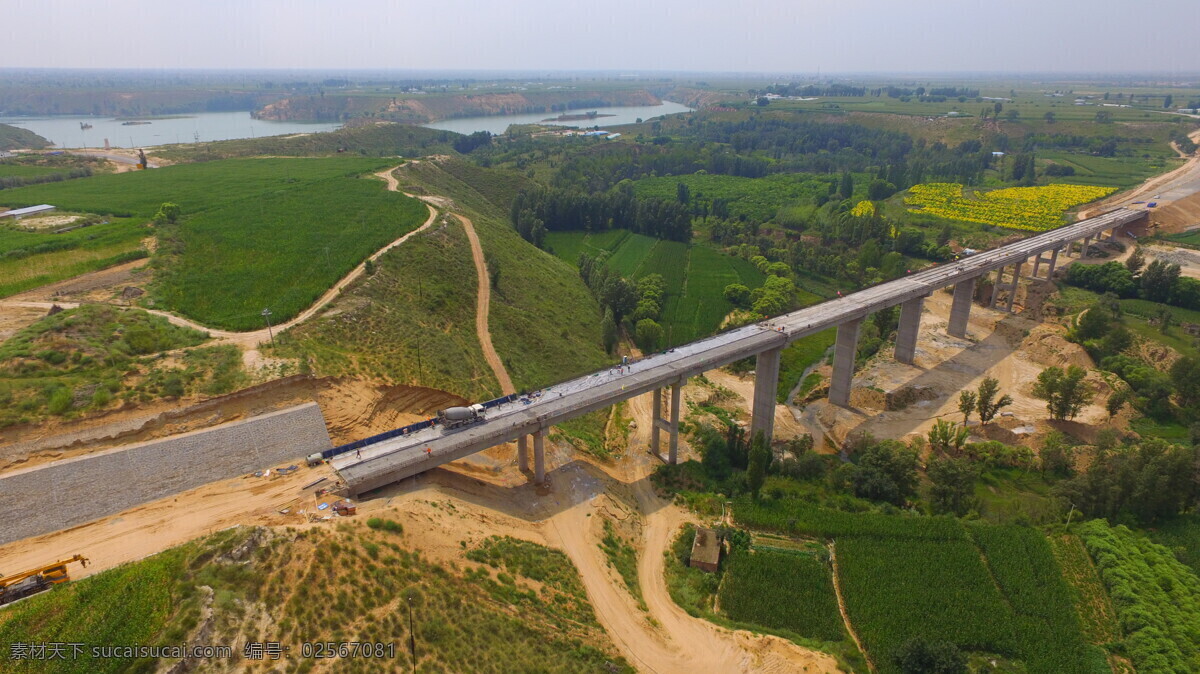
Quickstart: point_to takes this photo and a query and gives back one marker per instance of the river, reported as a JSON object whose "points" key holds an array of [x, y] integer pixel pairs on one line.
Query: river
{"points": [[65, 131], [499, 123]]}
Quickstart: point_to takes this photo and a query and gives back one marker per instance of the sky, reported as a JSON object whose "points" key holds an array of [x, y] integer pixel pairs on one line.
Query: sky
{"points": [[792, 36]]}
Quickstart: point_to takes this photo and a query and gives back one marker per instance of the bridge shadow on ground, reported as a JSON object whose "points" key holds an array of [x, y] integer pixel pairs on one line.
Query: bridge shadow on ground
{"points": [[951, 375], [571, 482]]}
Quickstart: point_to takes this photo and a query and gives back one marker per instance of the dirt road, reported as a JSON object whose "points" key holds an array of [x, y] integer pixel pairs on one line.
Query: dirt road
{"points": [[483, 300]]}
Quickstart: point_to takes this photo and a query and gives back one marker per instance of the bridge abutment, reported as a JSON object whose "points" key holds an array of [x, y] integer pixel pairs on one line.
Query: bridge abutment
{"points": [[766, 384], [844, 352]]}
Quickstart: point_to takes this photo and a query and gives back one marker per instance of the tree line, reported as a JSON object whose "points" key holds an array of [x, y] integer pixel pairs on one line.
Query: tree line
{"points": [[534, 212]]}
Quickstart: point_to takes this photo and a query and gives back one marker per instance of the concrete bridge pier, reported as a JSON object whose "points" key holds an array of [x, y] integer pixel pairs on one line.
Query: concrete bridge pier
{"points": [[658, 423], [1012, 289], [844, 352], [909, 328], [1087, 240], [523, 453], [960, 310], [996, 288], [766, 384], [539, 456]]}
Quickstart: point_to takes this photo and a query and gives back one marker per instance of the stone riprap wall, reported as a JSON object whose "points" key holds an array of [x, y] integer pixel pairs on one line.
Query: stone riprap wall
{"points": [[66, 493]]}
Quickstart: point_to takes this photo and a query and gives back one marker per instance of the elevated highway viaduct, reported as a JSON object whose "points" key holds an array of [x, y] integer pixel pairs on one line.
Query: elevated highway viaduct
{"points": [[397, 458]]}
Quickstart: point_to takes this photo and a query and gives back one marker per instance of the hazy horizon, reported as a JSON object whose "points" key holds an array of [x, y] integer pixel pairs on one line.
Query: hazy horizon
{"points": [[539, 36]]}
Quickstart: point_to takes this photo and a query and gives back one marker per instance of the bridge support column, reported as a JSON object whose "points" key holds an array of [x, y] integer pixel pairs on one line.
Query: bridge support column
{"points": [[1012, 289], [960, 310], [676, 399], [996, 288], [909, 328], [1053, 261], [844, 351], [1037, 264], [523, 453], [539, 457], [1087, 240], [655, 417], [766, 383]]}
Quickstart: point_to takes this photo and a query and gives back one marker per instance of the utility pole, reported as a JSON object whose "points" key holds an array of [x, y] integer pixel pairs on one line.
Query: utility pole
{"points": [[266, 314], [412, 636]]}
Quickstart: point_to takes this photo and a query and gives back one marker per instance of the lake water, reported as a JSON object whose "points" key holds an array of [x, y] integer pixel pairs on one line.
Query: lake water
{"points": [[499, 124], [65, 132]]}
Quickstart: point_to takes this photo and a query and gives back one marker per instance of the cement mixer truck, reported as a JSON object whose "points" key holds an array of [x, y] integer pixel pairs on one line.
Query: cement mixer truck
{"points": [[454, 418]]}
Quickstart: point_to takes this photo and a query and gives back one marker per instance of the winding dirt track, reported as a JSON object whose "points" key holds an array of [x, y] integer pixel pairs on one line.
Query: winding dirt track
{"points": [[483, 300]]}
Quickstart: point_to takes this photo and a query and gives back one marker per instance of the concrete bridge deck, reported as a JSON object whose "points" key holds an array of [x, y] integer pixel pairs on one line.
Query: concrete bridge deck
{"points": [[395, 459]]}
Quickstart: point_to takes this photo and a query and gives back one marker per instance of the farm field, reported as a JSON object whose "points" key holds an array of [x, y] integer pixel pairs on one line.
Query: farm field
{"points": [[195, 187], [1026, 208], [223, 267], [695, 275], [32, 259], [752, 592], [998, 589], [1122, 172], [1156, 596], [758, 198]]}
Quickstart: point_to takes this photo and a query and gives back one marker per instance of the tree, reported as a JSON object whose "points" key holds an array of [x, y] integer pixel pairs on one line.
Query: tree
{"points": [[168, 213], [847, 185], [1093, 324], [1135, 261], [953, 485], [947, 437], [1049, 117], [918, 656], [879, 190], [1168, 101], [649, 334], [1065, 393], [682, 193], [966, 404], [737, 294], [1116, 401], [944, 234], [1185, 375], [1163, 317], [885, 471], [759, 462], [1057, 455], [608, 330], [986, 403], [1158, 280]]}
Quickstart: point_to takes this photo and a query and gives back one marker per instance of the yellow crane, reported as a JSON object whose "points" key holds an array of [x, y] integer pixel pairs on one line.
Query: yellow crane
{"points": [[33, 581]]}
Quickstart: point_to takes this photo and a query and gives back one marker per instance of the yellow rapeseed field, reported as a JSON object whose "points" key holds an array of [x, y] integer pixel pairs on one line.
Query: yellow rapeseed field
{"points": [[1034, 209]]}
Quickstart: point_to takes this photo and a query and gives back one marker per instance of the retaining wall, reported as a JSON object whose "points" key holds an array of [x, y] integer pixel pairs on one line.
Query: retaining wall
{"points": [[67, 493]]}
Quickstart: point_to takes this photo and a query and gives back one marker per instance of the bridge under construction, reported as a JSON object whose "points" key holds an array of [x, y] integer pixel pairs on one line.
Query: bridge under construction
{"points": [[400, 455]]}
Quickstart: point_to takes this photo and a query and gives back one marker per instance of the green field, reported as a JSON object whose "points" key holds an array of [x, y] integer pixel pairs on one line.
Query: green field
{"points": [[13, 170], [281, 251], [695, 275], [790, 591], [1157, 597], [195, 187], [988, 589], [32, 259], [1123, 172], [757, 198], [256, 234]]}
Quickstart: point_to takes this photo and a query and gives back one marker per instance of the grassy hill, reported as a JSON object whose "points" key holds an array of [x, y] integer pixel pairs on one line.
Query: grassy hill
{"points": [[545, 323], [13, 138], [505, 602]]}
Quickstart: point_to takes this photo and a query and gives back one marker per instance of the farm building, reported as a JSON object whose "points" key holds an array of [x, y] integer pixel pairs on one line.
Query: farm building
{"points": [[18, 213], [706, 550]]}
